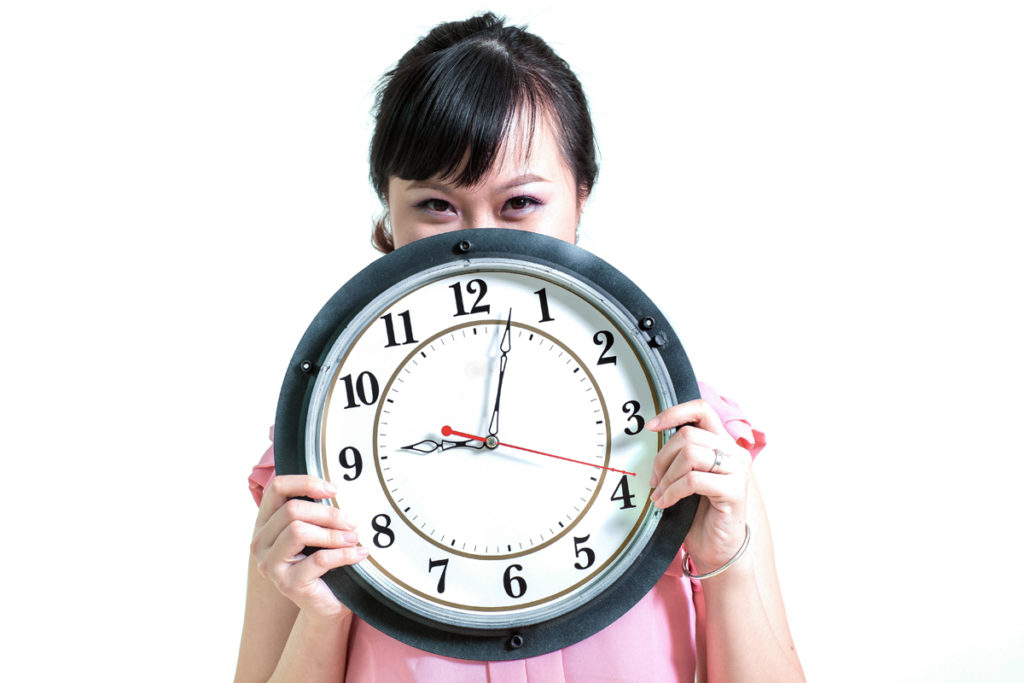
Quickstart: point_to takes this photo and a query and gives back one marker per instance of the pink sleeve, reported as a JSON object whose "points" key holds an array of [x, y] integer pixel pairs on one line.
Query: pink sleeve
{"points": [[735, 422], [732, 417], [262, 472]]}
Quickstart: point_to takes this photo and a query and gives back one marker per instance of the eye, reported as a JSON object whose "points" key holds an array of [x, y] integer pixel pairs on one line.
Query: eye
{"points": [[521, 203], [435, 205]]}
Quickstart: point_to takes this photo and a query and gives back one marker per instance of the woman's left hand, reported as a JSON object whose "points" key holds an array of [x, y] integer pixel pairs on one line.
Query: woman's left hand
{"points": [[686, 465]]}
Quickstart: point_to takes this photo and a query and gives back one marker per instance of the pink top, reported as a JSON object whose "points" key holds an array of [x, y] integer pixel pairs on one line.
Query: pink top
{"points": [[653, 641]]}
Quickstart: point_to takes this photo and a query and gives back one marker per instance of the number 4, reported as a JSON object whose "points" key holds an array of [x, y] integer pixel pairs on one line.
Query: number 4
{"points": [[622, 493]]}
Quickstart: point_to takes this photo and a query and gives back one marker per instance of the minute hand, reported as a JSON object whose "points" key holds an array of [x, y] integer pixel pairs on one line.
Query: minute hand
{"points": [[448, 431], [506, 346]]}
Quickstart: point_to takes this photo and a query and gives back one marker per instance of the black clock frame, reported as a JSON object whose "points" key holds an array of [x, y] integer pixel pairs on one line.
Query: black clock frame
{"points": [[466, 246]]}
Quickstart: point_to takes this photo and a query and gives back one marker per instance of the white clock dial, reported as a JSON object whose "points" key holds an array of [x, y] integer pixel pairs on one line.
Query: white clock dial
{"points": [[542, 490]]}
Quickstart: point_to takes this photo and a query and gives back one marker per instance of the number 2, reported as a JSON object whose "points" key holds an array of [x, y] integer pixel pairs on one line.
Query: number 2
{"points": [[608, 339]]}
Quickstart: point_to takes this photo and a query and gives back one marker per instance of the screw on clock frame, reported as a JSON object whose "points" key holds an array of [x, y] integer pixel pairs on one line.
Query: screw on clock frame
{"points": [[463, 247], [656, 340], [307, 367], [514, 642]]}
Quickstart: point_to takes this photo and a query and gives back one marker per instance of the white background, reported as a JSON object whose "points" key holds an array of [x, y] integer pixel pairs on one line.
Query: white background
{"points": [[827, 197]]}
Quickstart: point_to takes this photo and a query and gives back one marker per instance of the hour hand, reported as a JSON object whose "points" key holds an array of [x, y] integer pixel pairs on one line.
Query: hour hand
{"points": [[429, 445]]}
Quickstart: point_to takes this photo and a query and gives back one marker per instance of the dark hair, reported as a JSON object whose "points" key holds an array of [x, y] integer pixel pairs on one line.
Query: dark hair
{"points": [[456, 94]]}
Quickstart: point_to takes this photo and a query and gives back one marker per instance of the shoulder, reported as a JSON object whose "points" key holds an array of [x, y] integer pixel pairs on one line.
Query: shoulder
{"points": [[262, 472], [734, 420]]}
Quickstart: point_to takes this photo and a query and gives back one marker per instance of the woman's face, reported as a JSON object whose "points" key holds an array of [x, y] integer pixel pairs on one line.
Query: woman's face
{"points": [[532, 191]]}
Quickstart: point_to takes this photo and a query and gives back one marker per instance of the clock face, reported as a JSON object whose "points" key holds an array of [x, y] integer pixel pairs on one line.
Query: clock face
{"points": [[483, 420]]}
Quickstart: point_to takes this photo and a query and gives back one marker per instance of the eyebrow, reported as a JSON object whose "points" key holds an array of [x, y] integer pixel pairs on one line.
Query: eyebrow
{"points": [[525, 179]]}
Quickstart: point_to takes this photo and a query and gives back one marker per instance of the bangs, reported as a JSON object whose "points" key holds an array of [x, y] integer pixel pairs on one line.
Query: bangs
{"points": [[451, 117], [465, 95]]}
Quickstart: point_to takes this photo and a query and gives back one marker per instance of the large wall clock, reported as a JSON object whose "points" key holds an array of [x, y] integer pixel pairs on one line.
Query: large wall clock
{"points": [[479, 399]]}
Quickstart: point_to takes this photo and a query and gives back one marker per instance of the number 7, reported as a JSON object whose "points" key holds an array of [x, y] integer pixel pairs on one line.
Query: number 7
{"points": [[444, 565]]}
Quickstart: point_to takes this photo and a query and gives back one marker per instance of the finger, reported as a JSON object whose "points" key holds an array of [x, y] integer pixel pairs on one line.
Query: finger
{"points": [[697, 412], [301, 575], [287, 486], [297, 510], [678, 471], [701, 459], [695, 448], [713, 486], [286, 550], [694, 464], [322, 561], [682, 444]]}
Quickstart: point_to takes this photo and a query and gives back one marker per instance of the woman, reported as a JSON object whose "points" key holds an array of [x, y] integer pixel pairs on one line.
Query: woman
{"points": [[482, 125]]}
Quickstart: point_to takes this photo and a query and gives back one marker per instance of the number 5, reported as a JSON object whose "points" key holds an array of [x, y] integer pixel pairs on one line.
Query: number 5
{"points": [[586, 552]]}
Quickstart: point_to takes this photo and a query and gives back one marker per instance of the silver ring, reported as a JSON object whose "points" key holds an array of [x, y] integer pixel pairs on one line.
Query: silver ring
{"points": [[718, 461]]}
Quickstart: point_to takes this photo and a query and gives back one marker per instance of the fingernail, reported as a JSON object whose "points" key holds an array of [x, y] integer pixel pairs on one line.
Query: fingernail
{"points": [[362, 551], [653, 423], [654, 480], [329, 488], [350, 536]]}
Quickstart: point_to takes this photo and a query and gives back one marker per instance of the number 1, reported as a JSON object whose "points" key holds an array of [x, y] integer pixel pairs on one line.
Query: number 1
{"points": [[545, 314]]}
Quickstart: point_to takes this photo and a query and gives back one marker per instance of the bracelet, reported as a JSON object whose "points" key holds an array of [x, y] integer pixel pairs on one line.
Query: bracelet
{"points": [[739, 553]]}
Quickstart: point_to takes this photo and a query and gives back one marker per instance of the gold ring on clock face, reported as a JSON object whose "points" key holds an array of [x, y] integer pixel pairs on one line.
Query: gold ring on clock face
{"points": [[419, 468]]}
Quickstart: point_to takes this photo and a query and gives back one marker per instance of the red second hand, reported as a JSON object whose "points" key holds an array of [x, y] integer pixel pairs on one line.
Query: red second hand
{"points": [[448, 431]]}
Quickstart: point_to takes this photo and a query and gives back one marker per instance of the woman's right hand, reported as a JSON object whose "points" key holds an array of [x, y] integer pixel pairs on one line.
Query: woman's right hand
{"points": [[286, 525]]}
